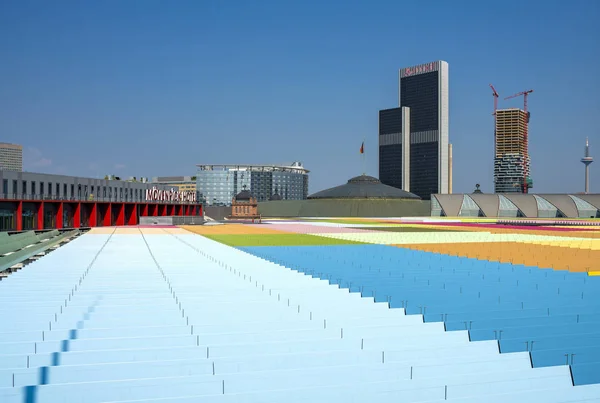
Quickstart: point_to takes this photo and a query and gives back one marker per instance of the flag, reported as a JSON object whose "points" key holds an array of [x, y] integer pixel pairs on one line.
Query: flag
{"points": [[362, 148]]}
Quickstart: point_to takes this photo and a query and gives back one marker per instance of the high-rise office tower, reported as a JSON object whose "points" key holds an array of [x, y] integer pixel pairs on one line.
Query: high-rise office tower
{"points": [[413, 138], [511, 161], [11, 157]]}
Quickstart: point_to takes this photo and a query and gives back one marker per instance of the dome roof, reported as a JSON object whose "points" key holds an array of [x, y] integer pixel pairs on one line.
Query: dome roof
{"points": [[243, 195], [275, 197], [364, 187]]}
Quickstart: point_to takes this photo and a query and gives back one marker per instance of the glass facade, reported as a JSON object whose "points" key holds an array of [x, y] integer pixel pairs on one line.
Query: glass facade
{"points": [[424, 92], [218, 185], [424, 169], [390, 155], [421, 94]]}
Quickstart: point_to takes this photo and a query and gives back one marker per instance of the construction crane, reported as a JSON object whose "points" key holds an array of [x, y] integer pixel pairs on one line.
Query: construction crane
{"points": [[525, 138], [495, 95]]}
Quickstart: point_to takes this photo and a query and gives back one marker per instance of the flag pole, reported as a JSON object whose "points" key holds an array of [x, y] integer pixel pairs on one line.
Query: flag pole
{"points": [[363, 158]]}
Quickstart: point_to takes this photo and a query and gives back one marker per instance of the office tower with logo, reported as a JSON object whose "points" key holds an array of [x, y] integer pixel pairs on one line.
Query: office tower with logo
{"points": [[413, 138]]}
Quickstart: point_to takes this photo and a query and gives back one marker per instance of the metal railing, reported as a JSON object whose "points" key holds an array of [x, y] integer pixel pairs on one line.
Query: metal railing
{"points": [[36, 197], [173, 220]]}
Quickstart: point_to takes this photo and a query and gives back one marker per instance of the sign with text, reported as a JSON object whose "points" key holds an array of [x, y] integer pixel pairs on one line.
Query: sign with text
{"points": [[173, 195], [420, 69]]}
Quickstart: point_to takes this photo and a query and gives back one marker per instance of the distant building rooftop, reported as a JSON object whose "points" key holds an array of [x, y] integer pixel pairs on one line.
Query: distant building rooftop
{"points": [[364, 187], [294, 167]]}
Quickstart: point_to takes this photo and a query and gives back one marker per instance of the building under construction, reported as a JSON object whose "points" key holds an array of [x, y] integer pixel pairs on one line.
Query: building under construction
{"points": [[511, 162]]}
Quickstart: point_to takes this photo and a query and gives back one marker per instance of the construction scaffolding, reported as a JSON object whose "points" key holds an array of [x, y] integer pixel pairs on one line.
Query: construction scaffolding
{"points": [[511, 162]]}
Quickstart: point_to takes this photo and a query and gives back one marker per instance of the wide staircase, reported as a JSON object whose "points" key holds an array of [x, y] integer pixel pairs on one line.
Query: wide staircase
{"points": [[553, 316], [180, 318]]}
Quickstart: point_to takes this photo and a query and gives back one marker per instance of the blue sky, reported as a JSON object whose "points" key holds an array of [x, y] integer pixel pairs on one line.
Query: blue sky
{"points": [[148, 88]]}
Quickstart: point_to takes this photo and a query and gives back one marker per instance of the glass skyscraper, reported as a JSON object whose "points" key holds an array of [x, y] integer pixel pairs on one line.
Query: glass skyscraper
{"points": [[218, 184], [413, 138]]}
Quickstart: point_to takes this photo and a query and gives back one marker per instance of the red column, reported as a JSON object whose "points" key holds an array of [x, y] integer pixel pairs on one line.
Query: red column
{"points": [[108, 215], [200, 210], [40, 215], [144, 212], [131, 214], [19, 217], [155, 210], [121, 214], [94, 215], [77, 215], [59, 216], [163, 210]]}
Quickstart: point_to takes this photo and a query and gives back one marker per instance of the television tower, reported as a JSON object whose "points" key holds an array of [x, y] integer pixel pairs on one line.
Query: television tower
{"points": [[587, 160]]}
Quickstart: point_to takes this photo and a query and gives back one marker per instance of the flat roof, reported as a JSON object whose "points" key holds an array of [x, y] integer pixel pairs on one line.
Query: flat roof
{"points": [[252, 167]]}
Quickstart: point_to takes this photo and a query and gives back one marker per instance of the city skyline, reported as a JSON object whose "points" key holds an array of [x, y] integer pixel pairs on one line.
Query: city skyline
{"points": [[236, 83]]}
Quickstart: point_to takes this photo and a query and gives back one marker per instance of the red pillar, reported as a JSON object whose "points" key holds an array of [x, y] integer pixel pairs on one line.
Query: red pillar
{"points": [[40, 215], [94, 215], [155, 210], [108, 215], [121, 214], [200, 210], [19, 217], [77, 216], [144, 212], [163, 210], [59, 216], [131, 214]]}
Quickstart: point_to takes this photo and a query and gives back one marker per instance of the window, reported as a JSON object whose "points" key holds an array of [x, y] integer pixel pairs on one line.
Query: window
{"points": [[436, 208], [49, 188], [72, 191], [546, 209], [5, 187], [14, 189], [469, 208], [24, 188], [42, 189], [79, 192], [33, 189], [585, 209], [507, 208], [103, 191], [64, 191], [136, 195], [57, 190]]}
